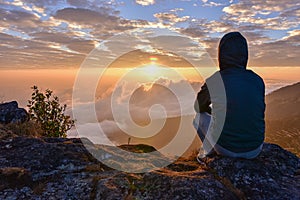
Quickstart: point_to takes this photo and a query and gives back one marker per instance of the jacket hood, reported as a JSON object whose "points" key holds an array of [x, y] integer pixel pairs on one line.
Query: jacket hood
{"points": [[233, 51]]}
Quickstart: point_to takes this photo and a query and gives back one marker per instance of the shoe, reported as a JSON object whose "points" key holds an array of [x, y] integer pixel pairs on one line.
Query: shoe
{"points": [[203, 154], [200, 156]]}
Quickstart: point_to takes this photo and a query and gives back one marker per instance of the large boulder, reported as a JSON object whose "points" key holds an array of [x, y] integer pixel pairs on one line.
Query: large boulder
{"points": [[11, 113], [274, 174]]}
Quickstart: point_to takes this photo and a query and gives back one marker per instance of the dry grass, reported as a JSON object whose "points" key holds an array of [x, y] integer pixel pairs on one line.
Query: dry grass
{"points": [[28, 128]]}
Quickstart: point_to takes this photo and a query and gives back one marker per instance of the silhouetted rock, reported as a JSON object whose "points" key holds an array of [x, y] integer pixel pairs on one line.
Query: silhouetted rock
{"points": [[61, 168], [11, 113]]}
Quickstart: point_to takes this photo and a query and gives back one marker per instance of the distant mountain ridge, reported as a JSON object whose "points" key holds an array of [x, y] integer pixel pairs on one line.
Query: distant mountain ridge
{"points": [[283, 103], [283, 117]]}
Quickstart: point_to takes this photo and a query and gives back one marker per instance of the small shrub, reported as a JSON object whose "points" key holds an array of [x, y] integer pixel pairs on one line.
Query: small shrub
{"points": [[47, 112]]}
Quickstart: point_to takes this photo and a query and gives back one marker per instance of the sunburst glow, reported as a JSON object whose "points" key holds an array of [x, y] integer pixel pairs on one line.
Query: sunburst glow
{"points": [[152, 69]]}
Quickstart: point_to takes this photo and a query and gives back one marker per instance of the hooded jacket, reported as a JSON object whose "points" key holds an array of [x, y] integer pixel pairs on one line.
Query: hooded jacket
{"points": [[244, 125]]}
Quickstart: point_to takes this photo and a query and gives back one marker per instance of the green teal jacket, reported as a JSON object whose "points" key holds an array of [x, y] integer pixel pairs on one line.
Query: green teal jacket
{"points": [[244, 127]]}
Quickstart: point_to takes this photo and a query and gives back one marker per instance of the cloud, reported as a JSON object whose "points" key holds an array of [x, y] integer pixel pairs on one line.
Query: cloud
{"points": [[137, 47], [263, 50], [98, 133], [86, 17], [53, 37], [271, 15], [143, 101], [141, 97], [274, 84], [18, 20], [33, 33], [37, 32], [255, 24], [293, 37], [284, 51], [145, 2], [207, 3], [171, 17]]}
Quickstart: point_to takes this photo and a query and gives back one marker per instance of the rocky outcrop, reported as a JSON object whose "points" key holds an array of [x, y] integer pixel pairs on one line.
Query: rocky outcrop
{"points": [[11, 113], [274, 174], [60, 168]]}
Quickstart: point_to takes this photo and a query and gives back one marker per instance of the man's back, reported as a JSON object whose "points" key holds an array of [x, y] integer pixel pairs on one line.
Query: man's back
{"points": [[244, 123]]}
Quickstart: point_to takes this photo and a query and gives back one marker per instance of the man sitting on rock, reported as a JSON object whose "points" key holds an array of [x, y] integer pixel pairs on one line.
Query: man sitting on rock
{"points": [[242, 134]]}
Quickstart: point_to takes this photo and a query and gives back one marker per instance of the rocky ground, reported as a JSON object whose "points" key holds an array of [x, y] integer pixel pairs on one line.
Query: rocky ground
{"points": [[60, 168]]}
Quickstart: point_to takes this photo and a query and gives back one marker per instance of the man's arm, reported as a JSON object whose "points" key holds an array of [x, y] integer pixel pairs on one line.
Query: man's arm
{"points": [[203, 101]]}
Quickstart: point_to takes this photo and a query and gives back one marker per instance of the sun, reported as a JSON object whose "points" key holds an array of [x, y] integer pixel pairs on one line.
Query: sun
{"points": [[151, 71]]}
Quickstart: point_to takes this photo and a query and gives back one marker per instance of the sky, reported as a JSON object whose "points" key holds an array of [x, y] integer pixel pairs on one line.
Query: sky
{"points": [[138, 47], [59, 34]]}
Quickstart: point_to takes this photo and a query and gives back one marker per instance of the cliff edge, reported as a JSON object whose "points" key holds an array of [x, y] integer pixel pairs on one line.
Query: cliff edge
{"points": [[61, 168]]}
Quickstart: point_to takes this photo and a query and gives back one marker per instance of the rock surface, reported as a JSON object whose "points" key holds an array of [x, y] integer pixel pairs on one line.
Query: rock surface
{"points": [[60, 168], [11, 113]]}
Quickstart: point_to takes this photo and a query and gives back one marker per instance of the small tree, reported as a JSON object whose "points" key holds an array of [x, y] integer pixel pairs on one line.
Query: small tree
{"points": [[47, 112]]}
